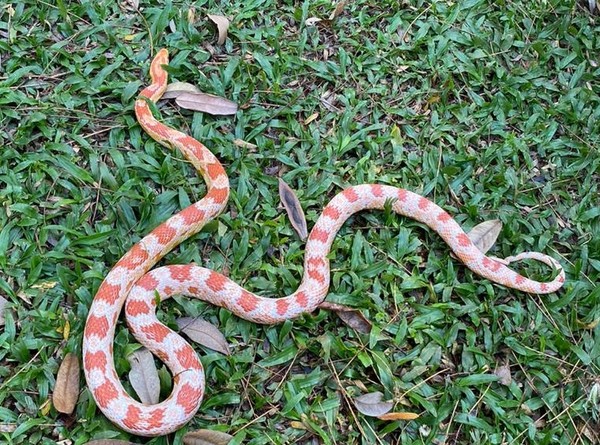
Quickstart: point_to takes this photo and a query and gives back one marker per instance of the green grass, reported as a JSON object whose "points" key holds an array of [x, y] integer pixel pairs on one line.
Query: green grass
{"points": [[491, 109]]}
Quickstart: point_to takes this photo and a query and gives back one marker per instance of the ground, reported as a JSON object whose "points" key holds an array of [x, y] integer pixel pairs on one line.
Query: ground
{"points": [[490, 109]]}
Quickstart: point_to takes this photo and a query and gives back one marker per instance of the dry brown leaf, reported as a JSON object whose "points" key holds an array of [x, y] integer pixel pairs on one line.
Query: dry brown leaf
{"points": [[312, 21], [222, 26], [352, 317], [176, 89], [207, 437], [504, 376], [484, 235], [204, 333], [66, 390], [399, 416], [339, 8], [206, 103], [109, 442], [243, 144], [7, 427], [371, 404], [3, 303], [311, 118], [144, 376], [293, 208]]}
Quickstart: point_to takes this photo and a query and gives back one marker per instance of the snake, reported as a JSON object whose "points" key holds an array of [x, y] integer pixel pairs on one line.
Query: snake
{"points": [[132, 284]]}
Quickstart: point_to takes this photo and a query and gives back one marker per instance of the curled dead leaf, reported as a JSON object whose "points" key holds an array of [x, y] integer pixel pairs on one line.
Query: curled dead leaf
{"points": [[504, 375], [206, 103], [243, 144], [204, 333], [352, 317], [371, 404], [66, 390], [144, 376], [312, 21], [176, 89], [399, 416], [222, 26], [293, 208], [339, 8], [207, 437], [484, 235], [109, 442]]}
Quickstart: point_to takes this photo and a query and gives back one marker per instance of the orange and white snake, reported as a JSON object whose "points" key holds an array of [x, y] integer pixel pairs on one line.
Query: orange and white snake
{"points": [[130, 283]]}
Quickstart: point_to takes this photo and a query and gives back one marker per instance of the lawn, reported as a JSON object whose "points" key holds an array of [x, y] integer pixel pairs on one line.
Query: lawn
{"points": [[489, 108]]}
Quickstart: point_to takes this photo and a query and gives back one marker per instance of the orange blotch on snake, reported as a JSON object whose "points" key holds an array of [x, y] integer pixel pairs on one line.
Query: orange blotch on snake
{"points": [[216, 281], [136, 256], [491, 264], [402, 194], [377, 190], [316, 275], [156, 332], [105, 394], [96, 360], [519, 279], [180, 272], [544, 287], [96, 326], [137, 307], [350, 194], [192, 215], [463, 240], [108, 292], [301, 299], [188, 398], [423, 203], [444, 216], [148, 282], [319, 235], [187, 358], [316, 261], [218, 195], [331, 212], [164, 233], [156, 418], [215, 170], [282, 306], [247, 301], [132, 417]]}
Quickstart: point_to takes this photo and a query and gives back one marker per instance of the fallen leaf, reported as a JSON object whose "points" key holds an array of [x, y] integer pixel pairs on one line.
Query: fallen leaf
{"points": [[204, 333], [7, 427], [371, 404], [484, 235], [3, 303], [66, 390], [206, 103], [293, 208], [109, 442], [243, 144], [176, 89], [311, 118], [222, 26], [352, 317], [312, 21], [399, 416], [504, 376], [144, 376], [339, 8], [207, 437]]}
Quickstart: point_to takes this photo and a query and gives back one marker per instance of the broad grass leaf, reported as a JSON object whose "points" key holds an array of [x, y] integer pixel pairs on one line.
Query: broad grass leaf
{"points": [[66, 390], [207, 437], [293, 208], [204, 333], [144, 376], [352, 317], [176, 89], [222, 26], [484, 235], [371, 404], [206, 103], [399, 416]]}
